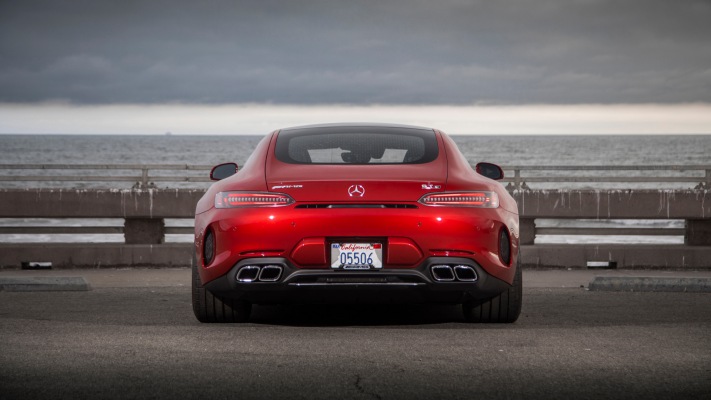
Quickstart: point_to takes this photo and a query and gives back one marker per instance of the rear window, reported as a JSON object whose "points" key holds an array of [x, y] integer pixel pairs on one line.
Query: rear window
{"points": [[356, 145]]}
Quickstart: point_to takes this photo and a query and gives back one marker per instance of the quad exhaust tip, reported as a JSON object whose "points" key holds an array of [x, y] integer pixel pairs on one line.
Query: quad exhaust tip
{"points": [[465, 273], [448, 273], [442, 273], [257, 273], [249, 273], [270, 273]]}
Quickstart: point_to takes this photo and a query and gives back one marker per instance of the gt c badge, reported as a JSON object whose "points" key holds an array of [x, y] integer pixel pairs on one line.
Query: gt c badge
{"points": [[429, 186], [356, 191]]}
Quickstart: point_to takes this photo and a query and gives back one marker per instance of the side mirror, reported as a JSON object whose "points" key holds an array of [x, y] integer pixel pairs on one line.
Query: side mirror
{"points": [[223, 171], [489, 170]]}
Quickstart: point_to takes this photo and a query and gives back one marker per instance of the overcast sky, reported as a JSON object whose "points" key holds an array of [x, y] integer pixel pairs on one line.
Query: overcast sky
{"points": [[403, 52]]}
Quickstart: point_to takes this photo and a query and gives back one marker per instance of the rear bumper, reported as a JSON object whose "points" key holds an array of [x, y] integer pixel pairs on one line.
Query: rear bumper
{"points": [[302, 235], [417, 285]]}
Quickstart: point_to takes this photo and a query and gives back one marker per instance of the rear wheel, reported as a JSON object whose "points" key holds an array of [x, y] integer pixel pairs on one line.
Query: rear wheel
{"points": [[210, 308], [503, 308]]}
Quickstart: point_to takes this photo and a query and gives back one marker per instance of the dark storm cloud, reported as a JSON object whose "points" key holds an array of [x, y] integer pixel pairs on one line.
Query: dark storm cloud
{"points": [[585, 51]]}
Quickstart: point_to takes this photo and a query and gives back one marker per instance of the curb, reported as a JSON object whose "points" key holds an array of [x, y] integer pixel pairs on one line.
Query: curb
{"points": [[44, 284], [649, 284]]}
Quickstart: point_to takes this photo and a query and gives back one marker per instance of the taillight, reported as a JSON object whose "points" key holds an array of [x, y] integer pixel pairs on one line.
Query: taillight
{"points": [[251, 199], [462, 199]]}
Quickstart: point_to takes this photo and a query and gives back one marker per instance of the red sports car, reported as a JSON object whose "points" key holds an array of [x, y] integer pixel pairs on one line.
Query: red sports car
{"points": [[356, 213]]}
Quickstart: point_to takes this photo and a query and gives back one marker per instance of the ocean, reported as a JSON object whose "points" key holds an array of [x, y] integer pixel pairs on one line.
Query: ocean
{"points": [[504, 150], [210, 150]]}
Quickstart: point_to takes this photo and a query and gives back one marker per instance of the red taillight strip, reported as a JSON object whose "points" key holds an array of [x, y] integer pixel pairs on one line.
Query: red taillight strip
{"points": [[251, 199], [462, 199]]}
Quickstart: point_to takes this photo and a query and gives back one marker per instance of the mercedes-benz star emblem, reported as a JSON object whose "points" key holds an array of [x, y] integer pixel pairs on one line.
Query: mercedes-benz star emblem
{"points": [[356, 190]]}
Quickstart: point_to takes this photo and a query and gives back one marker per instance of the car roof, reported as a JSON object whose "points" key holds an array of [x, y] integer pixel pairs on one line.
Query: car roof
{"points": [[356, 125]]}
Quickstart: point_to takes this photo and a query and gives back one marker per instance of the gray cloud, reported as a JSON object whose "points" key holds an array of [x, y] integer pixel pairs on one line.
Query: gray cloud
{"points": [[413, 52]]}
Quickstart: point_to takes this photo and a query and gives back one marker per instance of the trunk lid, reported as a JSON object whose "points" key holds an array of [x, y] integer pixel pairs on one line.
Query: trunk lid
{"points": [[357, 183]]}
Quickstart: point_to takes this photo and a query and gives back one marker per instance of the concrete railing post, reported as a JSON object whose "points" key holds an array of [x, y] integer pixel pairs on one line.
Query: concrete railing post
{"points": [[144, 230], [517, 179], [144, 177], [527, 231], [698, 232]]}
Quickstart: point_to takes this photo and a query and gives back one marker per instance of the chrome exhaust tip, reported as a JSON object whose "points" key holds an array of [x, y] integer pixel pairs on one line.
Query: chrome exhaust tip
{"points": [[270, 273], [465, 273], [442, 273], [249, 273]]}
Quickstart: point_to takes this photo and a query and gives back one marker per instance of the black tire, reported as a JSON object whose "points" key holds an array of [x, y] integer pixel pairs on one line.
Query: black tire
{"points": [[503, 308], [210, 308]]}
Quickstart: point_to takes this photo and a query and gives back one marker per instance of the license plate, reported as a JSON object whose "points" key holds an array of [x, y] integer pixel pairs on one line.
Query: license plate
{"points": [[356, 255]]}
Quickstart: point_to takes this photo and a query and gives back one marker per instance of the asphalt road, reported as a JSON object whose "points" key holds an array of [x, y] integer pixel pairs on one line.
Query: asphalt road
{"points": [[143, 342]]}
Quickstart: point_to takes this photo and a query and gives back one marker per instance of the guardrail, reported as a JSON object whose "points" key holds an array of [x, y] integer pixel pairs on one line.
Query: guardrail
{"points": [[688, 211], [85, 230], [144, 212], [517, 177], [697, 175], [142, 175]]}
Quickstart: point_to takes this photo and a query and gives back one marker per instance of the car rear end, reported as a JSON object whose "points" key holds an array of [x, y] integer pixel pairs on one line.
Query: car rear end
{"points": [[359, 214]]}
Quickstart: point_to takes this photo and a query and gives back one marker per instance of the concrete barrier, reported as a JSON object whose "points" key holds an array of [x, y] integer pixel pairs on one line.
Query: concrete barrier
{"points": [[650, 284], [44, 284], [144, 213]]}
